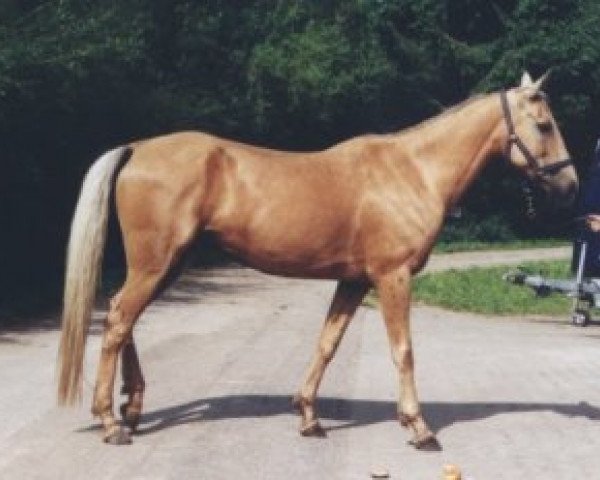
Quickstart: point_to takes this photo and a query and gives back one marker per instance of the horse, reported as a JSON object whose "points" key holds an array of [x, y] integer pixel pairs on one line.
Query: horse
{"points": [[364, 212]]}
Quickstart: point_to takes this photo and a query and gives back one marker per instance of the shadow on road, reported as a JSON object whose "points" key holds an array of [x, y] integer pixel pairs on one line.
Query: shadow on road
{"points": [[193, 286], [197, 286], [21, 323], [354, 413]]}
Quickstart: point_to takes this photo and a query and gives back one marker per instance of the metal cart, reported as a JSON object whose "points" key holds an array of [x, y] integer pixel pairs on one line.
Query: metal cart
{"points": [[584, 288]]}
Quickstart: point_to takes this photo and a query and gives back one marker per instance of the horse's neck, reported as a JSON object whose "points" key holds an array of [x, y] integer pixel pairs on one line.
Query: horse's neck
{"points": [[452, 149]]}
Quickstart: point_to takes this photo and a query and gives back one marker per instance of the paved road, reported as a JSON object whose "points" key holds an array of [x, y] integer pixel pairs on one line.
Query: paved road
{"points": [[224, 350], [461, 260]]}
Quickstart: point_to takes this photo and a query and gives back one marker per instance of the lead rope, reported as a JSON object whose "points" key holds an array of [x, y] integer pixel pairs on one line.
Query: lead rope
{"points": [[527, 190]]}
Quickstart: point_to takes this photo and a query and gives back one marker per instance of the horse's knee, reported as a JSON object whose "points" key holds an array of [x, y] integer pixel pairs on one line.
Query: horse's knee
{"points": [[403, 358]]}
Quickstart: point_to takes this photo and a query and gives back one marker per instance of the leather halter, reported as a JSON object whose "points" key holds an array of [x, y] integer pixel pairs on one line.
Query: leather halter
{"points": [[513, 138]]}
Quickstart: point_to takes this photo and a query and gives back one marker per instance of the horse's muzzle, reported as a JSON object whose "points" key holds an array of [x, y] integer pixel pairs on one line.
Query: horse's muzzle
{"points": [[563, 195]]}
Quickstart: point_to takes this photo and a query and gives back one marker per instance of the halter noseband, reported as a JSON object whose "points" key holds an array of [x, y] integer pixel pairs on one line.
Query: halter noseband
{"points": [[513, 138]]}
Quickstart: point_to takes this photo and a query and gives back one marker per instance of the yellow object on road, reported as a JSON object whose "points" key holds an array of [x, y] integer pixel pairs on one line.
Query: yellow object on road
{"points": [[451, 472]]}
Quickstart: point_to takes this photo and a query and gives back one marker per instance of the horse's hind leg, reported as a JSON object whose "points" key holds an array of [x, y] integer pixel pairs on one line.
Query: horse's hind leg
{"points": [[124, 311], [133, 380], [133, 384], [346, 300]]}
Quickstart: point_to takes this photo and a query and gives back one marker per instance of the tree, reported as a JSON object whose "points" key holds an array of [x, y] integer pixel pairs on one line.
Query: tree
{"points": [[78, 77]]}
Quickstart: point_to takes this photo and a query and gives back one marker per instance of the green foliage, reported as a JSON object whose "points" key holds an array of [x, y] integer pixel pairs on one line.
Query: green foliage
{"points": [[482, 290], [78, 77], [489, 229], [463, 244], [323, 75]]}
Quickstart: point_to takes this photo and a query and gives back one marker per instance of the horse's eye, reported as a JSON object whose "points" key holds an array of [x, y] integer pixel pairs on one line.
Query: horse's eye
{"points": [[538, 96]]}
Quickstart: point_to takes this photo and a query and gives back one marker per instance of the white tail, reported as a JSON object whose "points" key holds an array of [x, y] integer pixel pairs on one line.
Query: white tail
{"points": [[84, 259]]}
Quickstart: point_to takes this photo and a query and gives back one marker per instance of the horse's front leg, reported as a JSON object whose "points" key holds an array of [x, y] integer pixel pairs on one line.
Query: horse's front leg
{"points": [[347, 298], [133, 384], [394, 294]]}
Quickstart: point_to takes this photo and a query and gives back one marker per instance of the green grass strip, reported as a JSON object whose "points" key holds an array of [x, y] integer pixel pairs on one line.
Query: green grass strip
{"points": [[482, 290], [467, 246]]}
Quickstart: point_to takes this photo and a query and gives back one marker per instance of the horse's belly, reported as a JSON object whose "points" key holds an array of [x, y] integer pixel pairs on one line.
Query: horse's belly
{"points": [[299, 231], [292, 255], [323, 270]]}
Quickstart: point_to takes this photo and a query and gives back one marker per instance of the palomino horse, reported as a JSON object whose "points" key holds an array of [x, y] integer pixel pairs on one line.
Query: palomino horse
{"points": [[365, 212]]}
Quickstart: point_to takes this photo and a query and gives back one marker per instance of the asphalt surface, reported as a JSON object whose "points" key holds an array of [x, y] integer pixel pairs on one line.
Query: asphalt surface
{"points": [[224, 350]]}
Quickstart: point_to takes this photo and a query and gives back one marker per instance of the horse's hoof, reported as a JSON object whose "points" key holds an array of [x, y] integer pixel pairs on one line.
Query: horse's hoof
{"points": [[132, 420], [426, 442], [118, 437], [313, 429]]}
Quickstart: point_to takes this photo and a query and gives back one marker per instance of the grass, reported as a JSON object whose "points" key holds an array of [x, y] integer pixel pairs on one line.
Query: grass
{"points": [[482, 290], [465, 246]]}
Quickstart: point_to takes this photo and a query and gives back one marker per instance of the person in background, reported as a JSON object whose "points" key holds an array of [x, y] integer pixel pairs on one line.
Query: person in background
{"points": [[592, 220]]}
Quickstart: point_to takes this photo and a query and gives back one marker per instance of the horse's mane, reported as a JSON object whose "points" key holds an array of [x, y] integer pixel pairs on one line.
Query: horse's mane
{"points": [[444, 113], [416, 127]]}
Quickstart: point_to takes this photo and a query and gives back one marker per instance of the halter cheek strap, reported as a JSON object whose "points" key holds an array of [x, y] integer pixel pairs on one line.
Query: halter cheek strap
{"points": [[514, 139]]}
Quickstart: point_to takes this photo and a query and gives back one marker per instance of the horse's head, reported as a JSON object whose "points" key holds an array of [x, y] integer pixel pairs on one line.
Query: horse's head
{"points": [[534, 143]]}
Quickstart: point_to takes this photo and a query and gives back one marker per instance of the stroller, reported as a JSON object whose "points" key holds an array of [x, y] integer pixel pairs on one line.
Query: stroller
{"points": [[584, 288]]}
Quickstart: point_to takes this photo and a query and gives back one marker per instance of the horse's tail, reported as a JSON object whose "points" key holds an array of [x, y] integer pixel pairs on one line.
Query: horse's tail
{"points": [[84, 259]]}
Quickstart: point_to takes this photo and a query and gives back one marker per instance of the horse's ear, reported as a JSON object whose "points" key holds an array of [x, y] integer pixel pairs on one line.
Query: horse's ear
{"points": [[526, 80], [540, 81]]}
